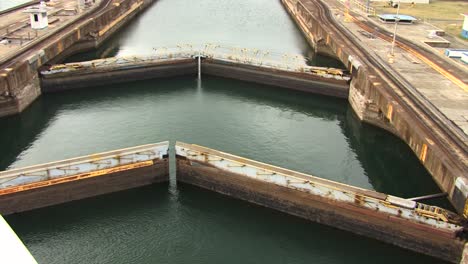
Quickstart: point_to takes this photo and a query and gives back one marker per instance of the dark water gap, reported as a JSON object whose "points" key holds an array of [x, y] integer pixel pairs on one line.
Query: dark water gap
{"points": [[180, 224]]}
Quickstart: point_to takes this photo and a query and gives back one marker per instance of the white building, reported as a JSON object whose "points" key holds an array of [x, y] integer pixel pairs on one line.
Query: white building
{"points": [[38, 16]]}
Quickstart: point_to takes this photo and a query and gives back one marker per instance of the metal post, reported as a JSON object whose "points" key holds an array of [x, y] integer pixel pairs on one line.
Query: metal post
{"points": [[199, 66], [394, 31]]}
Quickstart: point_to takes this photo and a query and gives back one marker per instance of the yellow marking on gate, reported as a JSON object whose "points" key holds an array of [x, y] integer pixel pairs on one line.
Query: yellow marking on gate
{"points": [[389, 112], [465, 211], [77, 177], [422, 155]]}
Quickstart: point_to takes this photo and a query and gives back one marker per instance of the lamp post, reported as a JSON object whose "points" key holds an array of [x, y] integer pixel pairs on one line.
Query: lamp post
{"points": [[347, 14], [397, 18]]}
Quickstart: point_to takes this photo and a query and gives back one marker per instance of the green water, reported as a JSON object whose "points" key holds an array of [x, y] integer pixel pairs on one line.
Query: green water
{"points": [[308, 133], [189, 225], [183, 224], [299, 131], [6, 4]]}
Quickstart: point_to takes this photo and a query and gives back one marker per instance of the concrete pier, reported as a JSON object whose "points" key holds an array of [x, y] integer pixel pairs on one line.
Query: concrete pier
{"points": [[53, 183], [408, 224]]}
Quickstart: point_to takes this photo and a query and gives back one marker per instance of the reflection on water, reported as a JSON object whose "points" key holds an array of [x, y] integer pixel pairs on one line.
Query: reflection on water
{"points": [[308, 133], [189, 225], [259, 24]]}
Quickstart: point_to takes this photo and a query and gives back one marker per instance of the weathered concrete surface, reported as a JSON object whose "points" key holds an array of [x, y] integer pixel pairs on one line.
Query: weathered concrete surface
{"points": [[347, 216], [379, 97], [90, 30]]}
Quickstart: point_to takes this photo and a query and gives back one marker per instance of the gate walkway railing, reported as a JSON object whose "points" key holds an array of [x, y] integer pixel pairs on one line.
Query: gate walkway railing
{"points": [[254, 57]]}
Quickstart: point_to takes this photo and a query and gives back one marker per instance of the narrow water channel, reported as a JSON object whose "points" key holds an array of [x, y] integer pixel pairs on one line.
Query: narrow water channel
{"points": [[183, 224]]}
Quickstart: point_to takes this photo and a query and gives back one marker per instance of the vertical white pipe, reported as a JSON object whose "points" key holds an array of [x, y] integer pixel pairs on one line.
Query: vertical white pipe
{"points": [[199, 66]]}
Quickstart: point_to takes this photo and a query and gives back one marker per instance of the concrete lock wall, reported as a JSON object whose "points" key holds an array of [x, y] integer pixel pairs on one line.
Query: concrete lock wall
{"points": [[20, 84], [377, 101], [372, 97]]}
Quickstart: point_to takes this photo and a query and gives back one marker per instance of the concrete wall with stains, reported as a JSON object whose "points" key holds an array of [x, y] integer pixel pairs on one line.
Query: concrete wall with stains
{"points": [[20, 85], [374, 101]]}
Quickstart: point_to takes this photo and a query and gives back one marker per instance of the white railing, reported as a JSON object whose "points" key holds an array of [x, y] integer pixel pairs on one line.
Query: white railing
{"points": [[82, 165], [254, 57], [363, 7]]}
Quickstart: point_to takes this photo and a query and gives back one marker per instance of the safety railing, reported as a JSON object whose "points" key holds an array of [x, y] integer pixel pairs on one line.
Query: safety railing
{"points": [[246, 56], [363, 7]]}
